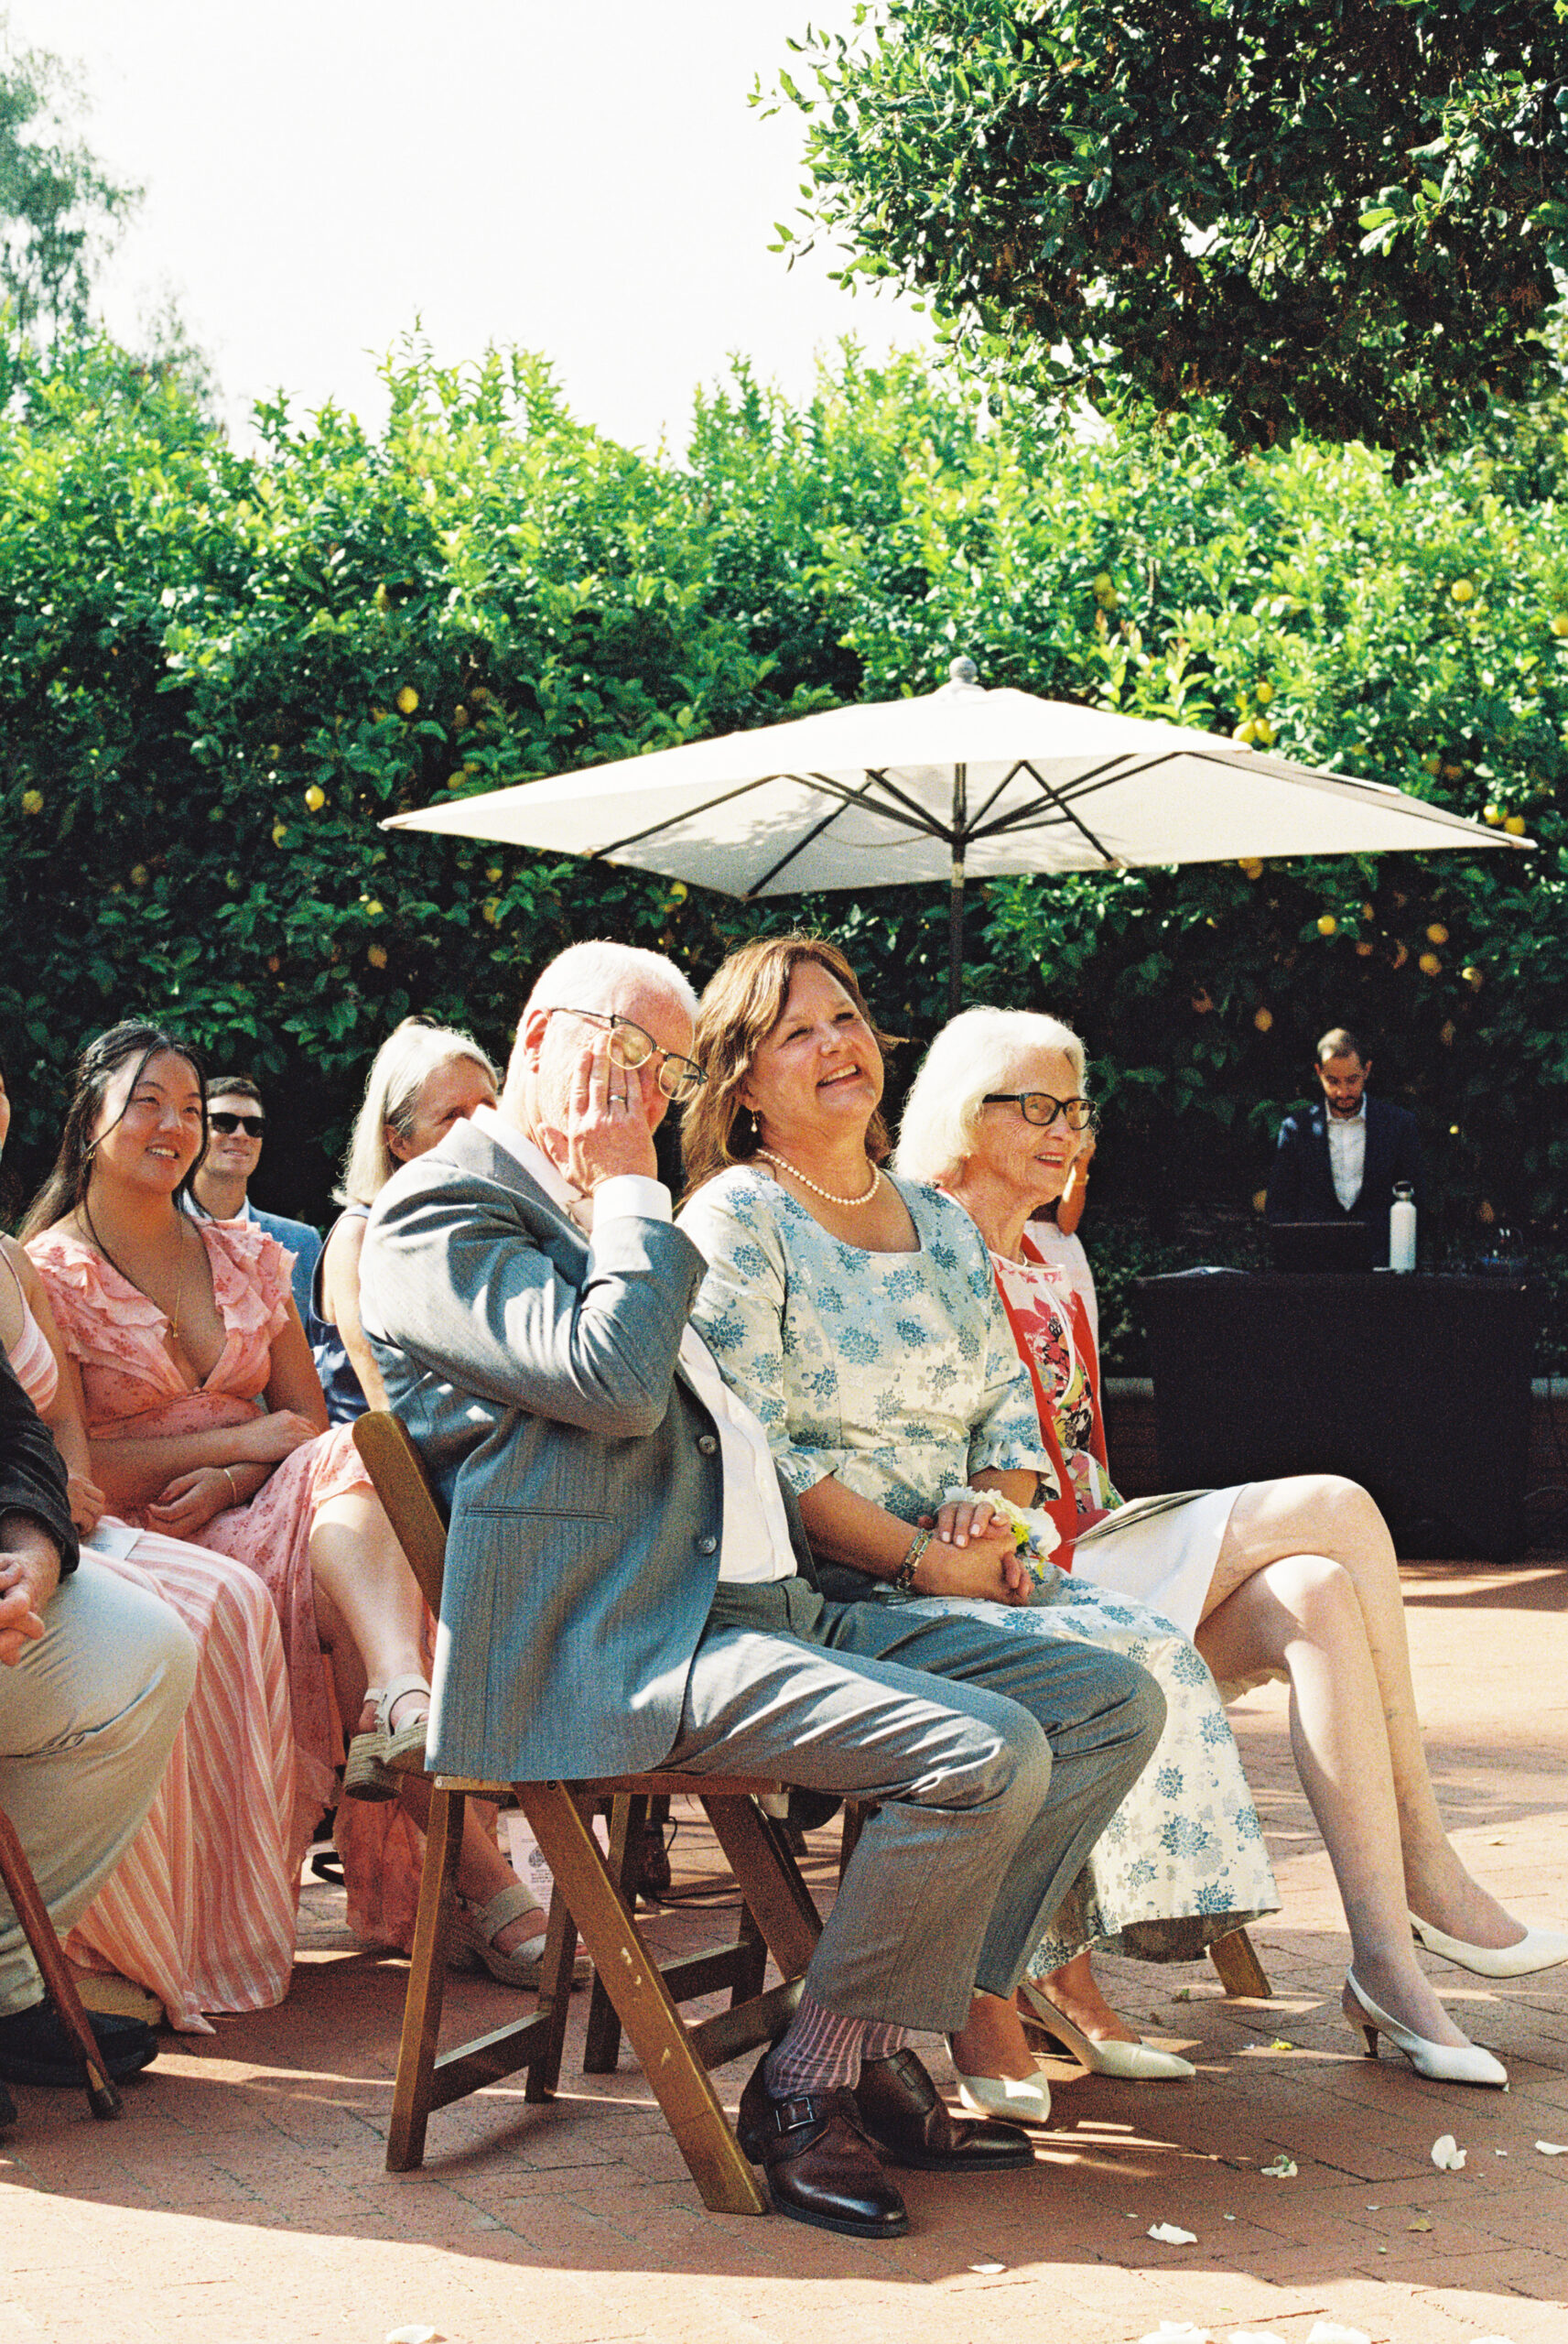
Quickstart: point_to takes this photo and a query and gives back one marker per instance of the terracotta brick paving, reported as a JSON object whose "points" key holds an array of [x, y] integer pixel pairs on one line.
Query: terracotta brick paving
{"points": [[244, 2201]]}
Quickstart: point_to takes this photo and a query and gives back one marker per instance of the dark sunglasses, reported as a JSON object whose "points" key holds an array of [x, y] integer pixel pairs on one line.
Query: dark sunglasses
{"points": [[252, 1126]]}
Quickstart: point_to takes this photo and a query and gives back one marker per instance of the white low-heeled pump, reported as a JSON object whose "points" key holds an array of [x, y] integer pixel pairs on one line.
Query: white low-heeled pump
{"points": [[1443, 2063], [1015, 2100], [1137, 2062], [1537, 1949]]}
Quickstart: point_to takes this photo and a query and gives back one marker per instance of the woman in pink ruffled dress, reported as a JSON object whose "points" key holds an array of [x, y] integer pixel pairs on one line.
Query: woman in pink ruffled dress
{"points": [[200, 1909], [182, 1329]]}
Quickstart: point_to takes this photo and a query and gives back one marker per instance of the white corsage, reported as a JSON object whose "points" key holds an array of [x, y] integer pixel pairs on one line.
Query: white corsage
{"points": [[1035, 1536]]}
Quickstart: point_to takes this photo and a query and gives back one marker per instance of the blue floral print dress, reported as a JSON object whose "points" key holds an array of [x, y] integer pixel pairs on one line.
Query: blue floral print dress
{"points": [[897, 1373]]}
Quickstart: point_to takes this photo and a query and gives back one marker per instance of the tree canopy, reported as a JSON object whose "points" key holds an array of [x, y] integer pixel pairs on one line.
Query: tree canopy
{"points": [[1348, 217], [60, 209]]}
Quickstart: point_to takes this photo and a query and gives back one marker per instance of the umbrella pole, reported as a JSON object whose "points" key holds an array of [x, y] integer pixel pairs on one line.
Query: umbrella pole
{"points": [[956, 940], [955, 892]]}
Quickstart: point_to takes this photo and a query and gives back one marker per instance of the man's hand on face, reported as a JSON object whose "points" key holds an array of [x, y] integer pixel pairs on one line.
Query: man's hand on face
{"points": [[607, 1132], [30, 1573]]}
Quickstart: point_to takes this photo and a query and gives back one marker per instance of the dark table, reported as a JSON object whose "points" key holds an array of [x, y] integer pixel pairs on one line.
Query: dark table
{"points": [[1417, 1387]]}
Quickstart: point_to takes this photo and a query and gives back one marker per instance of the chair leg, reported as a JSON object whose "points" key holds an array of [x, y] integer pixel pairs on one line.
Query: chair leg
{"points": [[601, 2041], [680, 2084], [1241, 1972], [427, 1983], [102, 2097], [759, 1856], [555, 2001]]}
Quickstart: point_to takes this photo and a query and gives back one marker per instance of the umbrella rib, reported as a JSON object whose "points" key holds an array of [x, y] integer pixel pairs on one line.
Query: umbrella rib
{"points": [[914, 819], [652, 829], [1018, 820]]}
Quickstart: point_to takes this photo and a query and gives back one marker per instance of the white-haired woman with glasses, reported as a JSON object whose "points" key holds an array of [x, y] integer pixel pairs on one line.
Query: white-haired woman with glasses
{"points": [[1296, 1576]]}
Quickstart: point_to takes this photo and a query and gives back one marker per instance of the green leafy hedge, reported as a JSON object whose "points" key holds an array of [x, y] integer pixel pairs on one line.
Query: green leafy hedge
{"points": [[218, 672]]}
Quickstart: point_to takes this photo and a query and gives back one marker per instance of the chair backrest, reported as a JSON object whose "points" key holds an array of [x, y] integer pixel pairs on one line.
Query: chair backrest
{"points": [[397, 1471]]}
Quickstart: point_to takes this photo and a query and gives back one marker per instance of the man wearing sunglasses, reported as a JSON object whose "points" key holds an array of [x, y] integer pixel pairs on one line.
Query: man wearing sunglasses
{"points": [[628, 1585], [236, 1126]]}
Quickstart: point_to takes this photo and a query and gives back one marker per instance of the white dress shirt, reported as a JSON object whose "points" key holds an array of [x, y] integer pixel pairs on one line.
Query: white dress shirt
{"points": [[755, 1544], [1347, 1152]]}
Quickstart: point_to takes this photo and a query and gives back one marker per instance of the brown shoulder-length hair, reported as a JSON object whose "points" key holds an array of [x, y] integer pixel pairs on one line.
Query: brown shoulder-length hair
{"points": [[741, 1005]]}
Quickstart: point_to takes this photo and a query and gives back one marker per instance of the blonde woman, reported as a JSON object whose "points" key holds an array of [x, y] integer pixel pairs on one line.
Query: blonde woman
{"points": [[424, 1079]]}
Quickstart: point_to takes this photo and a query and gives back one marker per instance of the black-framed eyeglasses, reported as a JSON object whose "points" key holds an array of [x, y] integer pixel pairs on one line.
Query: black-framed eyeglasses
{"points": [[679, 1078], [223, 1121], [1039, 1107]]}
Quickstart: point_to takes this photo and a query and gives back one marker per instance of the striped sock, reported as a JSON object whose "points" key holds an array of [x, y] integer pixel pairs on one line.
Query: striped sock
{"points": [[882, 2039], [820, 2051]]}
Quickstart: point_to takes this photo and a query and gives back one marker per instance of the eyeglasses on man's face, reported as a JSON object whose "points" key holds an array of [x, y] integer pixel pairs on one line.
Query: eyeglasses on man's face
{"points": [[221, 1120], [1038, 1107], [630, 1046]]}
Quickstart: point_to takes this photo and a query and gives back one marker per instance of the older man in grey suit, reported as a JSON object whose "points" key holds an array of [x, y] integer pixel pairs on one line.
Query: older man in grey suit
{"points": [[627, 1587]]}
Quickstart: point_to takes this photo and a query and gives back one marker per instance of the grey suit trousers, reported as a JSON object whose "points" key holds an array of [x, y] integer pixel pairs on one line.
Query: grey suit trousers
{"points": [[996, 1762]]}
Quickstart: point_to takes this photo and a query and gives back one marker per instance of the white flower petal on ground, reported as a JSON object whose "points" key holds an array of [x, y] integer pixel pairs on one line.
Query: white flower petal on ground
{"points": [[1169, 2235], [1283, 2168], [1446, 2154], [1552, 2148]]}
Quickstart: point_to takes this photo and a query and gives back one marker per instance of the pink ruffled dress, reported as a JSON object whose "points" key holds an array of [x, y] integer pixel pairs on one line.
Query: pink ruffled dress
{"points": [[133, 1389], [201, 1909]]}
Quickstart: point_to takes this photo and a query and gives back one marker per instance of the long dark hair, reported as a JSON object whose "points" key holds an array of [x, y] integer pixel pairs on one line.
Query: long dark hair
{"points": [[135, 1038]]}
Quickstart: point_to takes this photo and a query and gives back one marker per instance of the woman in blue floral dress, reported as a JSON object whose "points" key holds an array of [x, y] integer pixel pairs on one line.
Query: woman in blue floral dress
{"points": [[858, 1318]]}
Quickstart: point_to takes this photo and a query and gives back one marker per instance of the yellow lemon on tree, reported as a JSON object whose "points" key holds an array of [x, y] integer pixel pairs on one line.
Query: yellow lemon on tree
{"points": [[1430, 964], [1515, 826], [1260, 1199], [1493, 814], [315, 797], [1473, 977], [1246, 732], [1447, 1031], [407, 701], [1462, 591], [1437, 933], [139, 875], [1401, 956], [1253, 864], [491, 910], [1263, 733], [1327, 925], [1560, 623], [1365, 949], [494, 874], [1262, 1019], [32, 801], [1263, 694], [376, 956], [1432, 764], [373, 908], [279, 834]]}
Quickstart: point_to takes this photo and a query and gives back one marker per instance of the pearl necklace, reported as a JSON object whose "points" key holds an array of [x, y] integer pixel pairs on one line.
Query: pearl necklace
{"points": [[826, 1194]]}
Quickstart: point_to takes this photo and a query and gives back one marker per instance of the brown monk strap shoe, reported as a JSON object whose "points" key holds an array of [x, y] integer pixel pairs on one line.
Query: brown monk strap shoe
{"points": [[910, 2122], [818, 2162]]}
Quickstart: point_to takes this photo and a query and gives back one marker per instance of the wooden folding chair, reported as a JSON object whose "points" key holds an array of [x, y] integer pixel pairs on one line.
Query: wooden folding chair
{"points": [[40, 1931], [595, 1895]]}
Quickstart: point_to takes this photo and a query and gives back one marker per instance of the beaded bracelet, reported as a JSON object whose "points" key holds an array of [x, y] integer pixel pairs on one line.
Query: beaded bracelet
{"points": [[903, 1579]]}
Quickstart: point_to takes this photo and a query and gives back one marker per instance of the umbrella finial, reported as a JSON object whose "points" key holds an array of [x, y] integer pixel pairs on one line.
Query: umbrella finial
{"points": [[962, 671]]}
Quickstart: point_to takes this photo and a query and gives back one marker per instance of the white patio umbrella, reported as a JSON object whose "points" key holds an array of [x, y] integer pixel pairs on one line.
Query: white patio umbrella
{"points": [[954, 783]]}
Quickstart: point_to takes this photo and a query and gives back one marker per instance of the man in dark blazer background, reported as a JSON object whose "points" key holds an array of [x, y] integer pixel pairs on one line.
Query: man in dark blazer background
{"points": [[1339, 1161]]}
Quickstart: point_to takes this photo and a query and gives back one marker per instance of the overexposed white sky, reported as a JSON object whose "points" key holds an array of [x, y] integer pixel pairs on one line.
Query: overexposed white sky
{"points": [[586, 179]]}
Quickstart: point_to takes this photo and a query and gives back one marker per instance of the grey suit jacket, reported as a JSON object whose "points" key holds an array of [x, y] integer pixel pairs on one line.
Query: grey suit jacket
{"points": [[538, 1372]]}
